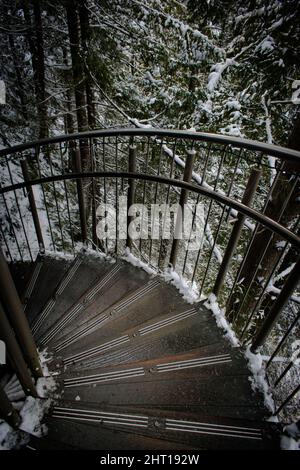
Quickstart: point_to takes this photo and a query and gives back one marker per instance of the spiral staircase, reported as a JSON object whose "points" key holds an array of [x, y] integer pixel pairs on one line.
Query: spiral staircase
{"points": [[137, 366]]}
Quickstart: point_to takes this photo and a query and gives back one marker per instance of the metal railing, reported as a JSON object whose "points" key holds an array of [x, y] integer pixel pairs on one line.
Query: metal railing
{"points": [[149, 166]]}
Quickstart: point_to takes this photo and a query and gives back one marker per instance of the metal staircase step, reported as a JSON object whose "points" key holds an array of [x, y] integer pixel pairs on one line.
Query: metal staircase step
{"points": [[83, 272], [166, 334], [101, 293], [194, 377], [125, 283], [22, 274], [45, 443], [145, 303], [47, 275], [116, 427]]}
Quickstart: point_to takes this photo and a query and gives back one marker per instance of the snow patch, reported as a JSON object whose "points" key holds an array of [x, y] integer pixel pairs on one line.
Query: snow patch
{"points": [[130, 258], [219, 315], [217, 70], [267, 45], [32, 410], [233, 105], [289, 443], [190, 294], [32, 415], [258, 381], [11, 439]]}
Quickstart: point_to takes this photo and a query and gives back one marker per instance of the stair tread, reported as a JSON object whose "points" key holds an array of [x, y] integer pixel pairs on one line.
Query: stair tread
{"points": [[180, 379], [109, 292], [52, 271], [125, 283], [86, 274], [89, 437], [21, 273], [141, 306], [210, 352], [170, 427], [197, 330]]}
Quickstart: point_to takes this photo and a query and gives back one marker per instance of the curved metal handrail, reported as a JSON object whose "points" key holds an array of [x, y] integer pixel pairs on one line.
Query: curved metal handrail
{"points": [[268, 149], [264, 150], [252, 213]]}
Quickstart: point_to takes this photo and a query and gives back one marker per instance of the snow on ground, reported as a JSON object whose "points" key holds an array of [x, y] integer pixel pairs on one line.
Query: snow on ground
{"points": [[291, 438], [219, 315], [259, 381], [130, 258], [32, 410], [190, 294]]}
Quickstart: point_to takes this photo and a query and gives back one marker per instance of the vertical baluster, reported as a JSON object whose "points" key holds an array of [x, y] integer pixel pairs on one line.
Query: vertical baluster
{"points": [[282, 299], [67, 198], [19, 210], [167, 200], [221, 217], [80, 195], [131, 190], [5, 242], [283, 339], [208, 212], [33, 208], [267, 283], [155, 199], [144, 193], [56, 200], [94, 218], [271, 234], [12, 226], [37, 155], [287, 400], [104, 183], [236, 231], [187, 176], [117, 194]]}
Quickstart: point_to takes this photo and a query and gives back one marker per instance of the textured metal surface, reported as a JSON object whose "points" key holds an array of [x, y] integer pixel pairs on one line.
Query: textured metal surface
{"points": [[127, 428], [150, 370], [81, 304]]}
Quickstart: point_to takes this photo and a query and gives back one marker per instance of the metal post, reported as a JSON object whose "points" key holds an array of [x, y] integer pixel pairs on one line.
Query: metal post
{"points": [[80, 194], [94, 218], [187, 176], [7, 411], [33, 207], [11, 300], [236, 231], [282, 299], [15, 355], [131, 190]]}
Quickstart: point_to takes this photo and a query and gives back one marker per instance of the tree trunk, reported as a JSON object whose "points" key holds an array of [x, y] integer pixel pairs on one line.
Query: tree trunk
{"points": [[36, 46], [20, 89], [255, 268], [40, 71], [78, 78], [86, 44]]}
